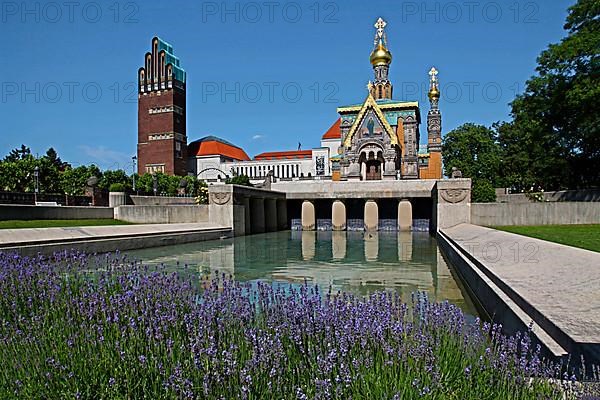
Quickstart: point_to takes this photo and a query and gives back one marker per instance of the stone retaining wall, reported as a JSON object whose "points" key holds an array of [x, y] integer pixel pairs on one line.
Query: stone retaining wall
{"points": [[563, 195], [173, 214], [161, 200], [25, 212], [552, 213]]}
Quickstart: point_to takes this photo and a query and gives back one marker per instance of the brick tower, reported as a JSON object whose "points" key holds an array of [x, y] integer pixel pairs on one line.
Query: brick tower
{"points": [[434, 128], [162, 140]]}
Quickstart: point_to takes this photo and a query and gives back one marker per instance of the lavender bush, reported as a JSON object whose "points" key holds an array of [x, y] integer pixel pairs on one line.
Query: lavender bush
{"points": [[75, 326]]}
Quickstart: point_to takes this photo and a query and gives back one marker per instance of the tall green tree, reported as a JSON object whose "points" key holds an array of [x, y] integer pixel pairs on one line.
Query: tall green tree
{"points": [[558, 116], [18, 154], [74, 180], [473, 149], [110, 177]]}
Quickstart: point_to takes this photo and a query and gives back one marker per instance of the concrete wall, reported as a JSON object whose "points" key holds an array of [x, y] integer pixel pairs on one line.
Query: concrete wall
{"points": [[26, 212], [98, 243], [557, 213], [451, 203], [242, 206], [161, 200], [563, 195], [173, 214], [491, 301], [356, 190]]}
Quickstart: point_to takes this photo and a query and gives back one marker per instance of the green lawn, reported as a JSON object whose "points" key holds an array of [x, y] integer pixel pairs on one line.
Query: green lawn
{"points": [[53, 223], [583, 236]]}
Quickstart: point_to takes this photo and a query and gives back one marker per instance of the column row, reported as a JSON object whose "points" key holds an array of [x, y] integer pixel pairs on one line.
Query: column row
{"points": [[264, 215], [370, 215]]}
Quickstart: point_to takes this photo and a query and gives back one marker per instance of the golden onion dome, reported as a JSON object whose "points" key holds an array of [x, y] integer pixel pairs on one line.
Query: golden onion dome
{"points": [[434, 93], [381, 56]]}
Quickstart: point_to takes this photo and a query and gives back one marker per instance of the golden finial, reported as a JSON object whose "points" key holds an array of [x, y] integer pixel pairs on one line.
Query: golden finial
{"points": [[380, 55], [369, 86], [434, 91]]}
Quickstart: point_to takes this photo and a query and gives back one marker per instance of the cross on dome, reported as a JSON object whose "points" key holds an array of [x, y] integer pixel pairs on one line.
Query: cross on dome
{"points": [[380, 34], [433, 74]]}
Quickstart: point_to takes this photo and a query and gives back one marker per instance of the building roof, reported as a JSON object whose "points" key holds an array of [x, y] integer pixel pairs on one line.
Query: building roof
{"points": [[384, 104], [178, 72], [212, 145], [334, 131], [284, 155]]}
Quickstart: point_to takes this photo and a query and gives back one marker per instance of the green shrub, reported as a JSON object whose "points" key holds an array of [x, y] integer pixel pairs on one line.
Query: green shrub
{"points": [[242, 180], [483, 191], [116, 187]]}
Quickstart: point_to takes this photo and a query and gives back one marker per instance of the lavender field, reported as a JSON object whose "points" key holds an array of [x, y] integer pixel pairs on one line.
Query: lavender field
{"points": [[89, 327]]}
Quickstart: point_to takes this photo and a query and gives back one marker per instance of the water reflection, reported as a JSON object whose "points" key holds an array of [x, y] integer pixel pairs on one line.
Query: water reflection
{"points": [[338, 245], [357, 262]]}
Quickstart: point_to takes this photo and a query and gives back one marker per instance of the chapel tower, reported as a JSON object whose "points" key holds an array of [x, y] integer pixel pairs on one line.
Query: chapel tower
{"points": [[381, 58], [434, 127]]}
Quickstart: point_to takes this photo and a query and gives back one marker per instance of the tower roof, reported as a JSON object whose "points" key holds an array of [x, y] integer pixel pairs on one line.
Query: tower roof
{"points": [[212, 146], [381, 56], [170, 58]]}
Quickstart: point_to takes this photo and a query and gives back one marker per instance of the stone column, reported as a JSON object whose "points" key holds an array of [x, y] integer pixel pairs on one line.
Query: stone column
{"points": [[410, 159], [404, 215], [282, 221], [308, 216], [271, 215], [389, 171], [371, 216], [257, 214], [338, 216]]}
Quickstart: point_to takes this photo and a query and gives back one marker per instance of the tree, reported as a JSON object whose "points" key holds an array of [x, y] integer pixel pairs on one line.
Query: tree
{"points": [[74, 180], [473, 149], [194, 186], [17, 172], [18, 175], [18, 154], [55, 160], [110, 177], [558, 116]]}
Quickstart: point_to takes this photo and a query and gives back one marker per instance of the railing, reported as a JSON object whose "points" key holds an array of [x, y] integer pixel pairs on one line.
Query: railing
{"points": [[31, 198]]}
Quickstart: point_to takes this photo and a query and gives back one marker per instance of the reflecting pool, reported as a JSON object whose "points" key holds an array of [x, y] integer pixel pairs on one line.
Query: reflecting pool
{"points": [[356, 262]]}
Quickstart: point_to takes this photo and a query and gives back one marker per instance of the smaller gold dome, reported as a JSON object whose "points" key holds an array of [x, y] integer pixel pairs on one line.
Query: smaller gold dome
{"points": [[434, 93], [381, 56]]}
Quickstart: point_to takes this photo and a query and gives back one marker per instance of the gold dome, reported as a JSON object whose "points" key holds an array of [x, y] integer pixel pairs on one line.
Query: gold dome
{"points": [[434, 93], [381, 56]]}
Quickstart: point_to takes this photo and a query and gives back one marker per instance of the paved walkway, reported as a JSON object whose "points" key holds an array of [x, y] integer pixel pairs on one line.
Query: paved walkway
{"points": [[13, 237], [106, 238], [557, 285]]}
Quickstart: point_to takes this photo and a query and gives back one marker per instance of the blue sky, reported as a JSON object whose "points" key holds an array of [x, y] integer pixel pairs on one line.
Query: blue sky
{"points": [[263, 75]]}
